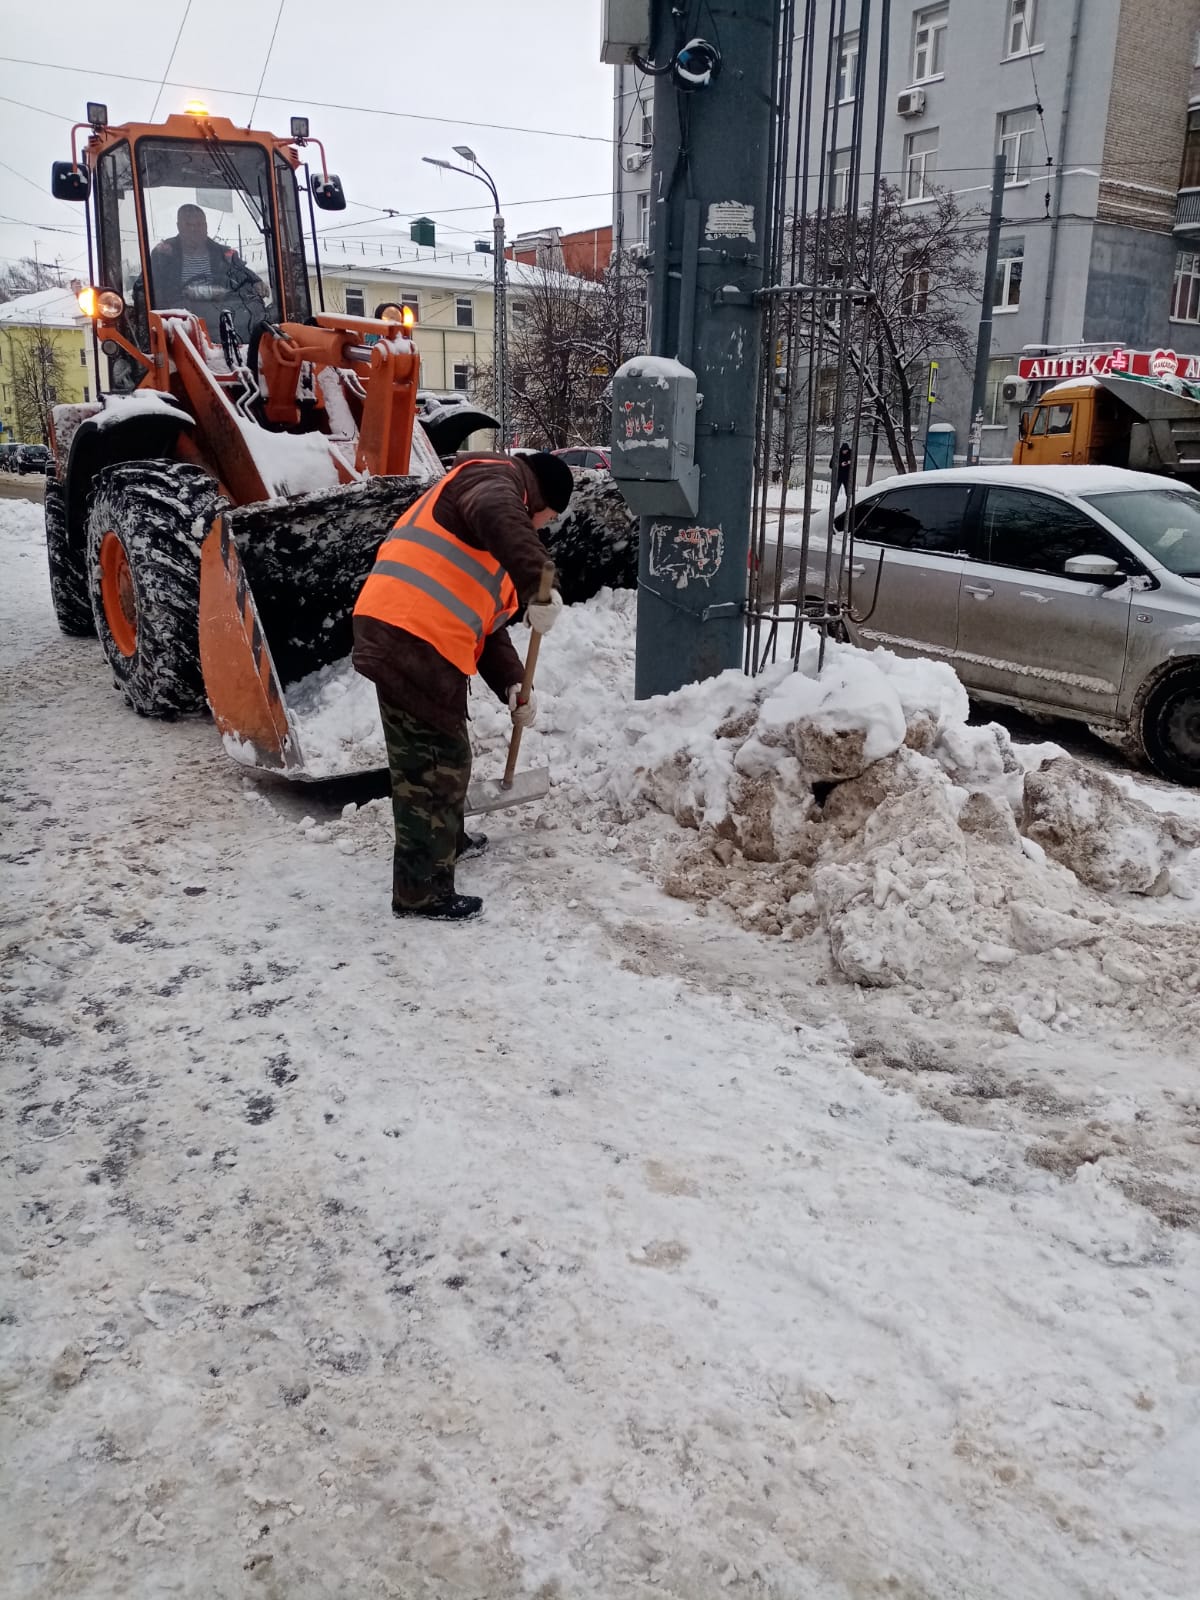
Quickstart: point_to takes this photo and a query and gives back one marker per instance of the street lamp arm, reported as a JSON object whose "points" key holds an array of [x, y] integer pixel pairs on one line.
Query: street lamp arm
{"points": [[479, 176]]}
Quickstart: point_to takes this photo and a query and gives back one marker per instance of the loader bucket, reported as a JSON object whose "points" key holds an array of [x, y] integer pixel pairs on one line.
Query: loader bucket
{"points": [[278, 582]]}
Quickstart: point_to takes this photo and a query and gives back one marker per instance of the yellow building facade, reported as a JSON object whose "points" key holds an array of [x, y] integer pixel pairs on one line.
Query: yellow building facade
{"points": [[46, 359]]}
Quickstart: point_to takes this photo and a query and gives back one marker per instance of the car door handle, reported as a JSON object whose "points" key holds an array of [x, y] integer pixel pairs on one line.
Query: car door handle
{"points": [[1032, 594], [979, 593]]}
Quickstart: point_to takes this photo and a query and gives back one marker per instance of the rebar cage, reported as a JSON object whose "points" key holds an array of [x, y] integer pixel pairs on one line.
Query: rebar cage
{"points": [[818, 312]]}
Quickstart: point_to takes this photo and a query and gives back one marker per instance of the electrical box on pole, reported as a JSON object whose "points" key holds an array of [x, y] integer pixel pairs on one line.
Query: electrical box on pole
{"points": [[690, 471]]}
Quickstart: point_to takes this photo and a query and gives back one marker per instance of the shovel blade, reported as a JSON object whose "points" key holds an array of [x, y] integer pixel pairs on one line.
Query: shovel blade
{"points": [[490, 794]]}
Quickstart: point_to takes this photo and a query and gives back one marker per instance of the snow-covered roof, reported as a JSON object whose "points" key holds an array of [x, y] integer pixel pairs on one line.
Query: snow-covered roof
{"points": [[465, 268], [1063, 480], [52, 308]]}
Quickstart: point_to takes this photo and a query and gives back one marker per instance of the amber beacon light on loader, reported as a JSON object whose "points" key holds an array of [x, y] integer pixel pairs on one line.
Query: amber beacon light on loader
{"points": [[213, 514]]}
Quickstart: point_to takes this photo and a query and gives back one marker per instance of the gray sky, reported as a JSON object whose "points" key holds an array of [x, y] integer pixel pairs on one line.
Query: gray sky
{"points": [[529, 64]]}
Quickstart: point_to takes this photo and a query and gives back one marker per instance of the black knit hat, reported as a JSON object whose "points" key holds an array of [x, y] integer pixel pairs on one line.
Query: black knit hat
{"points": [[554, 478]]}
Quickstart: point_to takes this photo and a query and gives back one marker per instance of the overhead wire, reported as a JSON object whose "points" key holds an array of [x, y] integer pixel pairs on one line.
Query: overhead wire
{"points": [[266, 63], [170, 59], [323, 105]]}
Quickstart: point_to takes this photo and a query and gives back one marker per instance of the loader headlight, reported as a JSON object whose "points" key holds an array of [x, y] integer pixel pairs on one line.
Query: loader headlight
{"points": [[390, 313], [102, 305]]}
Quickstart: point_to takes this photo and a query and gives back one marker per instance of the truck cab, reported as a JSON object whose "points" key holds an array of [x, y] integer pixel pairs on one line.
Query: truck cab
{"points": [[1079, 423]]}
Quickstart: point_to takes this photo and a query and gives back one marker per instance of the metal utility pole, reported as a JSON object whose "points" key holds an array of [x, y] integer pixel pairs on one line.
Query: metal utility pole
{"points": [[499, 282], [708, 224], [983, 350]]}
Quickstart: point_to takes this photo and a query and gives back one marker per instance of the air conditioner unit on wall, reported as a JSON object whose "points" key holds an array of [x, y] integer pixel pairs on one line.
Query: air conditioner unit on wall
{"points": [[637, 162], [1014, 391], [911, 103]]}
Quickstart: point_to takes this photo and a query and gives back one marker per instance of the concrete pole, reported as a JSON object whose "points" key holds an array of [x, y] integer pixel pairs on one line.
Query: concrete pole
{"points": [[983, 350], [500, 327], [708, 224]]}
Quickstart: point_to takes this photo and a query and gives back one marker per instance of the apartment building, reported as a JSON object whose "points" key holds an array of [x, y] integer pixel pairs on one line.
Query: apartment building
{"points": [[1095, 104]]}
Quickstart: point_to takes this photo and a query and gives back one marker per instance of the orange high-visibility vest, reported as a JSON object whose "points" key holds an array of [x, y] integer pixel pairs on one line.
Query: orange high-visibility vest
{"points": [[433, 585]]}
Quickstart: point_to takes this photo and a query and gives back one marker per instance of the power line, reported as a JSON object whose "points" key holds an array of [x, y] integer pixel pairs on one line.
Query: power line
{"points": [[170, 59], [323, 105], [266, 62]]}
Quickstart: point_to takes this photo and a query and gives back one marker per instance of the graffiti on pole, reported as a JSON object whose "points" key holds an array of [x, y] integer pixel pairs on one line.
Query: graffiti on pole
{"points": [[685, 555]]}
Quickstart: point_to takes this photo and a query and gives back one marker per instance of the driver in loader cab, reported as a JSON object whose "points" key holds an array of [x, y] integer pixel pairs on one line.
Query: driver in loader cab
{"points": [[192, 272], [452, 574]]}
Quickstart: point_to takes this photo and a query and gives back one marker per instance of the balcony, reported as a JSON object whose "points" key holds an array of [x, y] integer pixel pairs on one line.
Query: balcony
{"points": [[1187, 213]]}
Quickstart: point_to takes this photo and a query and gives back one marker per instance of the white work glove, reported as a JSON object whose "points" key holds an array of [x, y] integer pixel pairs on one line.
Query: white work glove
{"points": [[541, 618], [523, 716]]}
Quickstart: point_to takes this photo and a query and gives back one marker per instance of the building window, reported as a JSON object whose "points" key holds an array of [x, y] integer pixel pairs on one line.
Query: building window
{"points": [[1189, 173], [87, 394], [519, 310], [914, 291], [461, 373], [646, 132], [83, 358], [1010, 264], [643, 218], [356, 302], [412, 299], [847, 67], [826, 396], [1017, 130], [920, 163], [929, 43], [839, 180], [1185, 292], [464, 311], [1021, 35]]}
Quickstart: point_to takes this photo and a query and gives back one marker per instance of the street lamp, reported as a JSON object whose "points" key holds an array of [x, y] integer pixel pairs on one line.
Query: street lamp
{"points": [[499, 280]]}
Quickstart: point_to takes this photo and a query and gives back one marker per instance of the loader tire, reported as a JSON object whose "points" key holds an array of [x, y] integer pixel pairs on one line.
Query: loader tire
{"points": [[146, 522], [68, 573]]}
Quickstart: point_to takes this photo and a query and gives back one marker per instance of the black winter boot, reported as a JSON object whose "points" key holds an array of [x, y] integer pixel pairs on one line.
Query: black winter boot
{"points": [[471, 845], [451, 908]]}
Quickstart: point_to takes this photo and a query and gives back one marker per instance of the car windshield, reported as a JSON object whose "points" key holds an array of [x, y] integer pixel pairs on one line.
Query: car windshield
{"points": [[1165, 522]]}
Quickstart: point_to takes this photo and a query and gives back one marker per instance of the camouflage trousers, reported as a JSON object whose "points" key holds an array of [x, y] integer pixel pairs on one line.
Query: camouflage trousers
{"points": [[430, 773]]}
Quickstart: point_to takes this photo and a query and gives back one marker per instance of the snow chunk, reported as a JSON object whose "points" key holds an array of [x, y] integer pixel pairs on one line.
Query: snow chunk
{"points": [[1110, 840]]}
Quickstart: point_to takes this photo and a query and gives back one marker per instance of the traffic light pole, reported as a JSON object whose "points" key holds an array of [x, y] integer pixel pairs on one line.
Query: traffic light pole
{"points": [[707, 231]]}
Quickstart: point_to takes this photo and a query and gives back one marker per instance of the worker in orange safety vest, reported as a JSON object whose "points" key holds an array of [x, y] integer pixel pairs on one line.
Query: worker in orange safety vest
{"points": [[455, 570]]}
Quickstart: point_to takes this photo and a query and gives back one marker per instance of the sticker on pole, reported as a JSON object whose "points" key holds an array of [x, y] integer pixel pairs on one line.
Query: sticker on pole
{"points": [[729, 219], [685, 555]]}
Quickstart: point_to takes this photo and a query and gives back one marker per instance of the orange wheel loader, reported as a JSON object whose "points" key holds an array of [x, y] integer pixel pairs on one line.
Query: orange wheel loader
{"points": [[212, 516]]}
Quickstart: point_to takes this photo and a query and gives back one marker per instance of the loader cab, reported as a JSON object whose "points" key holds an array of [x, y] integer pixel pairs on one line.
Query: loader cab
{"points": [[197, 216]]}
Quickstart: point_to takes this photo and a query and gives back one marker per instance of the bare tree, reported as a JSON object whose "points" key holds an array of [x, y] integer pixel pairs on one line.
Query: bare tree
{"points": [[569, 335], [27, 276], [925, 288], [37, 373]]}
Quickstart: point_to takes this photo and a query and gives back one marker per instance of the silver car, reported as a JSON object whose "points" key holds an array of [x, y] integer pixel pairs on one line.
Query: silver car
{"points": [[1065, 590]]}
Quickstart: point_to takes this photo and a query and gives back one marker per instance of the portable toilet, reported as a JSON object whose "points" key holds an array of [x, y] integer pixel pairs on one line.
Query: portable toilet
{"points": [[939, 446]]}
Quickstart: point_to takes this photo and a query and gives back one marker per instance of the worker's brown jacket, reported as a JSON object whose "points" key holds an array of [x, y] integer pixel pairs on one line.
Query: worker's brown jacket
{"points": [[483, 506]]}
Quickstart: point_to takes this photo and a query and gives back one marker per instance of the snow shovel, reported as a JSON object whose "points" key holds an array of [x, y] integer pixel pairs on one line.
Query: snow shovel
{"points": [[516, 788]]}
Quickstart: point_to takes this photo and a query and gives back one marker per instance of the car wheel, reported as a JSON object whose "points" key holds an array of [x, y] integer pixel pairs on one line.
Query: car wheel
{"points": [[1170, 726]]}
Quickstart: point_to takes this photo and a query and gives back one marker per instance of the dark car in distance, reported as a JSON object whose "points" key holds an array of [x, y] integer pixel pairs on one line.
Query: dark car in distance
{"points": [[33, 458]]}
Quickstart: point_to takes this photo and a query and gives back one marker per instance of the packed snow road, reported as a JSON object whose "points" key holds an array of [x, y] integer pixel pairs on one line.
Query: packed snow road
{"points": [[600, 1248]]}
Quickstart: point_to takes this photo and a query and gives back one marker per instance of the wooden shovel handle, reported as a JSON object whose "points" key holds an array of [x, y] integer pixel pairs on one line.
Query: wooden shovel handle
{"points": [[545, 589]]}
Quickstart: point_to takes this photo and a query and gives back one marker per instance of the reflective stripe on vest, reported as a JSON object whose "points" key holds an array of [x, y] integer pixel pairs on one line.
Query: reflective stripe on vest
{"points": [[435, 586]]}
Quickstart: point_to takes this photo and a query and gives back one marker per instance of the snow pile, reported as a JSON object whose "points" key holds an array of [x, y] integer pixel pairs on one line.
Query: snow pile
{"points": [[856, 812], [860, 807]]}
